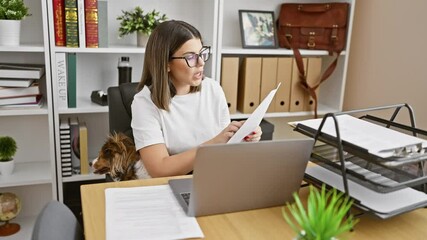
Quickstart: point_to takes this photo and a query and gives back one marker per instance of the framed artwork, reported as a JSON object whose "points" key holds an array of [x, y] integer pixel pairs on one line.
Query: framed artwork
{"points": [[257, 29]]}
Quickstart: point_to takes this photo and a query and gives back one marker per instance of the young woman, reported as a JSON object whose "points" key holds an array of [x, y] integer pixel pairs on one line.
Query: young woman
{"points": [[177, 109]]}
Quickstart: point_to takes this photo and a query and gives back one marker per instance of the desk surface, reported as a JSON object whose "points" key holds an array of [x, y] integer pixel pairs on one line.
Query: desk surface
{"points": [[265, 223]]}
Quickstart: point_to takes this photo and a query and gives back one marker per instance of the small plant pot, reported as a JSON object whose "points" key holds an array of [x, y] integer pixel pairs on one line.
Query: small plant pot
{"points": [[141, 39], [6, 168], [10, 31]]}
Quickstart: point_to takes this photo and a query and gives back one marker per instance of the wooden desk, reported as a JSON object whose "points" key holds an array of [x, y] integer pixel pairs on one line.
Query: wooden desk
{"points": [[255, 224]]}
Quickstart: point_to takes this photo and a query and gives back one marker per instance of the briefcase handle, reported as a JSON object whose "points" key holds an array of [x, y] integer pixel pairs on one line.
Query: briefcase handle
{"points": [[313, 8]]}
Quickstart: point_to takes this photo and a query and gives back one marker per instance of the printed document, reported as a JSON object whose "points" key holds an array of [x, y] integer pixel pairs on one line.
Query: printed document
{"points": [[255, 119], [150, 212], [377, 140]]}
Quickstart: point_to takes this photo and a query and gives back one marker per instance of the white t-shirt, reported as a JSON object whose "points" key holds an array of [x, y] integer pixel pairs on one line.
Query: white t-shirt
{"points": [[192, 118]]}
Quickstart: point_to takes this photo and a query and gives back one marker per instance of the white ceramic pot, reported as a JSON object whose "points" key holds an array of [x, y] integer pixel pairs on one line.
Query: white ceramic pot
{"points": [[6, 168], [141, 39], [10, 31]]}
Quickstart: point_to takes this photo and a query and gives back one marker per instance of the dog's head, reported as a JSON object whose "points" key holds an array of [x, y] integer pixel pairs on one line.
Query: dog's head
{"points": [[117, 158]]}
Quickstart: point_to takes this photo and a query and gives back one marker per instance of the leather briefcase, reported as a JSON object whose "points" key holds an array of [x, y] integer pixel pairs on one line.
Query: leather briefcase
{"points": [[314, 26]]}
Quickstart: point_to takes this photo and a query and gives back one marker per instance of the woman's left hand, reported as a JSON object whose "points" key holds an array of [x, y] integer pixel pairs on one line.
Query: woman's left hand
{"points": [[255, 136]]}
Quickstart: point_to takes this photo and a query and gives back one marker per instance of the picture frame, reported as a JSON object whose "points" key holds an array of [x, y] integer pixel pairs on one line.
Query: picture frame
{"points": [[257, 29]]}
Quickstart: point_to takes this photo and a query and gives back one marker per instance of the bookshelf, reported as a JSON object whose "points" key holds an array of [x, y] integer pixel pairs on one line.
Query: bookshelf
{"points": [[34, 176], [38, 177]]}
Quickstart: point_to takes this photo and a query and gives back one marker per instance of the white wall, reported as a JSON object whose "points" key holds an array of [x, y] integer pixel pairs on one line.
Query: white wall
{"points": [[388, 56]]}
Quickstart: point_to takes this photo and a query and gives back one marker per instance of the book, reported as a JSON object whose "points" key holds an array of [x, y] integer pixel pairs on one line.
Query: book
{"points": [[20, 100], [61, 78], [84, 157], [75, 144], [6, 92], [59, 22], [102, 23], [65, 146], [36, 105], [71, 24], [91, 23], [72, 80], [17, 82], [25, 71], [81, 22]]}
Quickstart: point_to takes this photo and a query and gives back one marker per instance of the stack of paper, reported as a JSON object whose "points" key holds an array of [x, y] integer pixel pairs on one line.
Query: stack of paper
{"points": [[147, 213], [384, 205], [377, 140]]}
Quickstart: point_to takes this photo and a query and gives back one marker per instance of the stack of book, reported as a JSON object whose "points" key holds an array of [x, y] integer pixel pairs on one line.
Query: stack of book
{"points": [[74, 147], [19, 85], [65, 141]]}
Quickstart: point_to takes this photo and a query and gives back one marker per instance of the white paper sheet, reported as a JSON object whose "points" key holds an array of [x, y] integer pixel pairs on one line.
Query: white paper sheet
{"points": [[387, 204], [147, 213], [378, 140], [255, 119]]}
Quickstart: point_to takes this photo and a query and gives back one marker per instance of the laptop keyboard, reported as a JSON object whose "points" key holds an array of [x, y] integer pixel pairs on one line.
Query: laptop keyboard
{"points": [[186, 197]]}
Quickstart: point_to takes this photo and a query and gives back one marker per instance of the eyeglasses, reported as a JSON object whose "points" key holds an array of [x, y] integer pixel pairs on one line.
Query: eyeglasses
{"points": [[193, 59]]}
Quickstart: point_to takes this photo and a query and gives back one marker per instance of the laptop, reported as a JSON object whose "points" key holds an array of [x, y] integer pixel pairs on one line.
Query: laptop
{"points": [[243, 176]]}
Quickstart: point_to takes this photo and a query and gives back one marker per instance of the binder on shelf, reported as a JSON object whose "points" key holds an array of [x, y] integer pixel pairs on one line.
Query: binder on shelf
{"points": [[249, 83], [61, 78], [83, 139], [268, 79], [229, 81], [284, 77], [314, 71], [297, 92], [72, 80]]}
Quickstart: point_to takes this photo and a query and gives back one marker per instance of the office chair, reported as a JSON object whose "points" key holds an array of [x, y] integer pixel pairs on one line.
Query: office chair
{"points": [[119, 107], [56, 221]]}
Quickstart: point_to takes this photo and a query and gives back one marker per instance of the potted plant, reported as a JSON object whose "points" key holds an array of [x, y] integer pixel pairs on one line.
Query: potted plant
{"points": [[11, 14], [326, 215], [7, 152], [141, 23]]}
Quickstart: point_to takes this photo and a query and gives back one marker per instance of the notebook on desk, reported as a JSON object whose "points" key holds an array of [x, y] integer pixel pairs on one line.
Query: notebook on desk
{"points": [[243, 176]]}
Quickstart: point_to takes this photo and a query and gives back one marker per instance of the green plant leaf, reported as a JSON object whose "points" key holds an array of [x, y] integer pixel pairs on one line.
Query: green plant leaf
{"points": [[326, 215], [138, 21]]}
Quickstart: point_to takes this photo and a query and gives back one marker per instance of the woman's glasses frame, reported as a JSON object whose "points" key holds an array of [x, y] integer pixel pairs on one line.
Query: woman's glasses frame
{"points": [[204, 54]]}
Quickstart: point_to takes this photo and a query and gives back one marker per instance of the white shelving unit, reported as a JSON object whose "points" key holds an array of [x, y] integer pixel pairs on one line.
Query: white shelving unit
{"points": [[229, 44], [34, 176], [97, 67]]}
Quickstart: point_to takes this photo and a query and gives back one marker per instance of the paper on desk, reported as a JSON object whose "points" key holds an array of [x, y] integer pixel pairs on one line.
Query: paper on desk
{"points": [[147, 213], [386, 204], [255, 119], [378, 140]]}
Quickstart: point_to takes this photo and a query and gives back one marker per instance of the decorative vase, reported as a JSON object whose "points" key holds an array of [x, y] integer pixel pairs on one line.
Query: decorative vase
{"points": [[141, 39], [6, 168], [10, 32]]}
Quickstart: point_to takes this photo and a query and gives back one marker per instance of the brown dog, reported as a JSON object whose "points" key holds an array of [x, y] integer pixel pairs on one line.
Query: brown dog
{"points": [[119, 159]]}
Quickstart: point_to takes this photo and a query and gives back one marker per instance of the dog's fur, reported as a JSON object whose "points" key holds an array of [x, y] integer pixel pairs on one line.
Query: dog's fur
{"points": [[119, 159]]}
